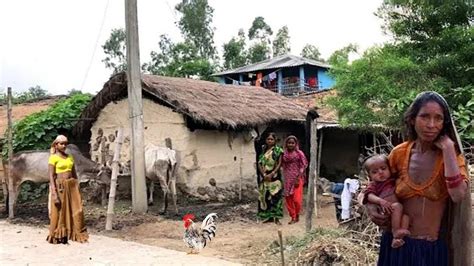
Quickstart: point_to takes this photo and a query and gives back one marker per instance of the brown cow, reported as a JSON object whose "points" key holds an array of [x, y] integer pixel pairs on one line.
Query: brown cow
{"points": [[33, 166]]}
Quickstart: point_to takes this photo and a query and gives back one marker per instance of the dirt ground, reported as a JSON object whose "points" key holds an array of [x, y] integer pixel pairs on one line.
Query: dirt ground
{"points": [[240, 237]]}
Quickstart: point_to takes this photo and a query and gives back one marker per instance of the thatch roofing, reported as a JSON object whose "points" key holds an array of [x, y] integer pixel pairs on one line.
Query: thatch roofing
{"points": [[282, 61], [214, 104], [327, 114]]}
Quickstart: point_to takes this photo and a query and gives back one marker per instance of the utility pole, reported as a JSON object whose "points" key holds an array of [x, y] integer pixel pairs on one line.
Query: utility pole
{"points": [[134, 84]]}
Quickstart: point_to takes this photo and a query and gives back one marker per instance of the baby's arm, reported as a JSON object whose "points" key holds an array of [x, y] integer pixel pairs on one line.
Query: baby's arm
{"points": [[386, 205]]}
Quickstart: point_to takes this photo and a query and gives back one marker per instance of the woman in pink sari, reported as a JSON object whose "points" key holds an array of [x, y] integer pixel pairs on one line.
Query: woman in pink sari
{"points": [[294, 164]]}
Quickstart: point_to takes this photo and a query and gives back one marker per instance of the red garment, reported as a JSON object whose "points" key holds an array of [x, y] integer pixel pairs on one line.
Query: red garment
{"points": [[295, 200], [312, 82], [293, 163], [380, 189]]}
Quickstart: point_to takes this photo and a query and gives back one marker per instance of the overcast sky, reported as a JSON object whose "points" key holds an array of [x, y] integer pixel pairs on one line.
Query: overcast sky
{"points": [[57, 43]]}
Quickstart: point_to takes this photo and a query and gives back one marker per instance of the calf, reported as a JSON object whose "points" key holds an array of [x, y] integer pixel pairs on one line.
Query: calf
{"points": [[160, 165], [33, 166]]}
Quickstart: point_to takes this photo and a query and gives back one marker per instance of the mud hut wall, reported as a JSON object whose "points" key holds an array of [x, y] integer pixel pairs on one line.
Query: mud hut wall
{"points": [[202, 154], [340, 154]]}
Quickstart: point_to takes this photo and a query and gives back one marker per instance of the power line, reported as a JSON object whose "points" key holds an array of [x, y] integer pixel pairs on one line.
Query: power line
{"points": [[96, 42]]}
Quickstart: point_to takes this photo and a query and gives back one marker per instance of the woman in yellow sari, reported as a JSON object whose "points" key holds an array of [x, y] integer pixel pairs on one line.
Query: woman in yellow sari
{"points": [[270, 186], [65, 203]]}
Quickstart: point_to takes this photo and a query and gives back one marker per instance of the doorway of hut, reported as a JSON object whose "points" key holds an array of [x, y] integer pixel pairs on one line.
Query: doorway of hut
{"points": [[282, 131]]}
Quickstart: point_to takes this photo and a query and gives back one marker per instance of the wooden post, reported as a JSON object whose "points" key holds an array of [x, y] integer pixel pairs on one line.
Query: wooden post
{"points": [[460, 215], [241, 171], [113, 180], [312, 115], [280, 236], [318, 168], [11, 192], [139, 202]]}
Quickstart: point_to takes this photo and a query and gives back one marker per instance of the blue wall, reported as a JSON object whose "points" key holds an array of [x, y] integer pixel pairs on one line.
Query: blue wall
{"points": [[324, 80]]}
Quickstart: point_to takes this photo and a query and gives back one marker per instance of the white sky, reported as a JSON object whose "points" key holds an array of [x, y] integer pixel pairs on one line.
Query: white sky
{"points": [[51, 42]]}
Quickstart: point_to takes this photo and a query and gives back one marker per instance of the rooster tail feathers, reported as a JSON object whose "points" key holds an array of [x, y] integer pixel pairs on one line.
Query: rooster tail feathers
{"points": [[209, 227], [211, 219]]}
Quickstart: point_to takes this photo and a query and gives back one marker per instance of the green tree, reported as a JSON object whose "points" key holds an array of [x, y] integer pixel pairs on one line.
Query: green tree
{"points": [[235, 54], [258, 52], [32, 94], [377, 88], [260, 30], [179, 60], [115, 51], [312, 52], [260, 34], [341, 56], [195, 25], [37, 92], [432, 50], [281, 43]]}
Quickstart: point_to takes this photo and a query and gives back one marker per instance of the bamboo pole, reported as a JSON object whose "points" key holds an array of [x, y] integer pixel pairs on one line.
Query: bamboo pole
{"points": [[113, 180], [11, 192]]}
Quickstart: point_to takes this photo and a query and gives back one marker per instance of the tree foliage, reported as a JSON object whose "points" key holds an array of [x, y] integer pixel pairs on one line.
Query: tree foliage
{"points": [[260, 30], [377, 88], [115, 51], [258, 52], [235, 54], [38, 130], [32, 94], [179, 60], [341, 57], [433, 49], [195, 25], [281, 43], [312, 52]]}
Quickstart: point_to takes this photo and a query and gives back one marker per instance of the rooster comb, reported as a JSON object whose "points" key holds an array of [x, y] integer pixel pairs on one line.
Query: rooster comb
{"points": [[188, 216]]}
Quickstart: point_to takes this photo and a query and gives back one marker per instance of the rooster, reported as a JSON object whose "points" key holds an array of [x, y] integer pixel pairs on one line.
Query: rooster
{"points": [[196, 238]]}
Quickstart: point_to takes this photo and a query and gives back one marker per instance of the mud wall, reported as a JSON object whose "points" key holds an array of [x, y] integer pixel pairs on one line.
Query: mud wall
{"points": [[202, 154]]}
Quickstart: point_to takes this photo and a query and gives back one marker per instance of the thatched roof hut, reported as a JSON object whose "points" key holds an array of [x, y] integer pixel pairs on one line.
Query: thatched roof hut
{"points": [[207, 103]]}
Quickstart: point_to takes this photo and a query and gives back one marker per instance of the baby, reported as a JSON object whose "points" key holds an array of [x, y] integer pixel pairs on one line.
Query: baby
{"points": [[381, 191]]}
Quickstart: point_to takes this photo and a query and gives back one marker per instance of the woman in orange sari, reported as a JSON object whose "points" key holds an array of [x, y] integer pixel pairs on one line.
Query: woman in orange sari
{"points": [[65, 203]]}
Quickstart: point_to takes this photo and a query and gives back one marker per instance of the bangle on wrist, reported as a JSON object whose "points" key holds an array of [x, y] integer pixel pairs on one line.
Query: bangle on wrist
{"points": [[454, 177], [453, 183]]}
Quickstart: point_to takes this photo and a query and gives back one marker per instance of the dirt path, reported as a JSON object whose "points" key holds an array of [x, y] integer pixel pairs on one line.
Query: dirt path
{"points": [[26, 245]]}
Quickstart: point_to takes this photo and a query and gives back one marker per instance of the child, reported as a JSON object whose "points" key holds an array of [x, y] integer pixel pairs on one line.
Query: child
{"points": [[381, 191]]}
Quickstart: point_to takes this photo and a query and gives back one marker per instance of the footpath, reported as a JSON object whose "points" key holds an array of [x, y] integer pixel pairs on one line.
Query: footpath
{"points": [[24, 245]]}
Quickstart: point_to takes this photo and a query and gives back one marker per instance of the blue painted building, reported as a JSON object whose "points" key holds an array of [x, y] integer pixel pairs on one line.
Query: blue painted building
{"points": [[286, 74]]}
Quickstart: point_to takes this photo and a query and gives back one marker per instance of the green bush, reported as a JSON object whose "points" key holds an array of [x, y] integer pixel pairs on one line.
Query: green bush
{"points": [[38, 130]]}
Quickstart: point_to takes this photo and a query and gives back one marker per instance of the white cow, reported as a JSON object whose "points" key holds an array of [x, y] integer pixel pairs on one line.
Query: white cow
{"points": [[160, 165]]}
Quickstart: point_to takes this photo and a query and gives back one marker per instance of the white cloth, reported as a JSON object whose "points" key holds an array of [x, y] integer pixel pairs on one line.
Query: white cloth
{"points": [[350, 186], [272, 76]]}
